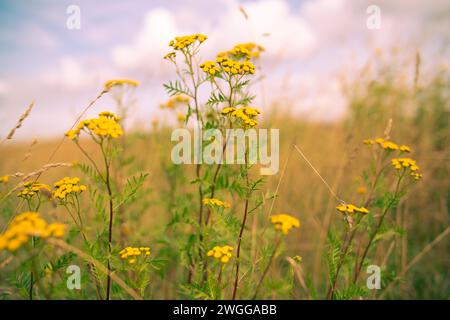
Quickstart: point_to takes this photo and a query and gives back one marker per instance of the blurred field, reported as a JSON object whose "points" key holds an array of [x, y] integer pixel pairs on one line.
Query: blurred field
{"points": [[420, 114]]}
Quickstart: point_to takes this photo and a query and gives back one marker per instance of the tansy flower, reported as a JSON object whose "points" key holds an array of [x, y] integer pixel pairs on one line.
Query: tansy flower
{"points": [[105, 126], [179, 43], [351, 209], [26, 225], [244, 114], [235, 67], [120, 82], [175, 101], [361, 190], [210, 68], [404, 148], [284, 222], [386, 144], [68, 186], [32, 188], [228, 110], [221, 253], [4, 179], [132, 253], [215, 203], [245, 51], [407, 164], [170, 56]]}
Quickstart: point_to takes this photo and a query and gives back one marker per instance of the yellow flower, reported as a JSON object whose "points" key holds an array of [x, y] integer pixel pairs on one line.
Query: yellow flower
{"points": [[232, 67], [386, 144], [407, 164], [284, 222], [32, 188], [361, 190], [223, 254], [404, 148], [4, 179], [228, 110], [244, 51], [105, 126], [120, 82], [131, 253], [215, 203], [210, 68], [26, 225], [351, 209], [170, 56], [68, 186], [179, 43], [244, 114], [175, 101]]}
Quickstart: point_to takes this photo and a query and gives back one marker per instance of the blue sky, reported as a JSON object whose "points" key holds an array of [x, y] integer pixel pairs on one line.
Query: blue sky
{"points": [[309, 44]]}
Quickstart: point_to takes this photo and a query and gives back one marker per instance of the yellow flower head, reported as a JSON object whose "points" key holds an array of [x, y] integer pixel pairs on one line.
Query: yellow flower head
{"points": [[68, 186], [387, 145], [212, 202], [210, 68], [404, 148], [170, 56], [179, 43], [120, 82], [246, 115], [132, 253], [351, 209], [232, 67], [32, 188], [223, 254], [175, 101], [244, 51], [26, 225], [407, 164], [105, 126], [4, 179], [284, 222]]}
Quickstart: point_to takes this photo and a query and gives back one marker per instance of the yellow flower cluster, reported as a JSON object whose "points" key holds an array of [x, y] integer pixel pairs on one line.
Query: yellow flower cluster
{"points": [[180, 43], [105, 126], [67, 186], [120, 82], [235, 67], [387, 145], [245, 114], [215, 203], [175, 101], [350, 209], [131, 253], [284, 222], [26, 225], [31, 188], [210, 67], [231, 67], [4, 179], [170, 56], [244, 50], [221, 253], [407, 163]]}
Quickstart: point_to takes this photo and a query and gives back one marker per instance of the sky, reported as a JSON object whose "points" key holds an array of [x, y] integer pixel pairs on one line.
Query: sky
{"points": [[309, 44]]}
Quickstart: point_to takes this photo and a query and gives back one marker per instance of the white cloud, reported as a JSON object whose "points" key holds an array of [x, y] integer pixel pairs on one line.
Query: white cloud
{"points": [[4, 88], [69, 74], [150, 45]]}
